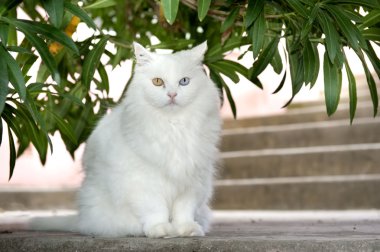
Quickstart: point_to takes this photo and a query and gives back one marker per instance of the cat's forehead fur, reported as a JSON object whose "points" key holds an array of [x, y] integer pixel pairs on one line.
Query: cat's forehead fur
{"points": [[178, 60]]}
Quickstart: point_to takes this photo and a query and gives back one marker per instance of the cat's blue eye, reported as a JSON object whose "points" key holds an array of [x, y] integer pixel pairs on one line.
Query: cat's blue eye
{"points": [[184, 81]]}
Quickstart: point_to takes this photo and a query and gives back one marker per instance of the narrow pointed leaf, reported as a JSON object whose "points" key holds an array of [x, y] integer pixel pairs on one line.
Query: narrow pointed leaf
{"points": [[12, 154], [258, 34], [55, 10], [14, 73], [349, 30], [276, 62], [104, 76], [265, 57], [333, 85], [170, 9], [308, 62], [373, 58], [217, 78], [351, 91], [4, 29], [299, 8], [254, 9], [91, 62], [203, 7], [227, 71], [371, 83], [372, 33], [331, 34], [230, 20], [47, 31], [4, 80], [281, 84], [77, 11], [101, 4], [46, 56], [371, 18], [64, 127]]}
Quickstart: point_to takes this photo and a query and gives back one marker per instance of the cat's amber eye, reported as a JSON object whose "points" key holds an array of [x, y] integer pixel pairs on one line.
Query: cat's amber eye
{"points": [[157, 82]]}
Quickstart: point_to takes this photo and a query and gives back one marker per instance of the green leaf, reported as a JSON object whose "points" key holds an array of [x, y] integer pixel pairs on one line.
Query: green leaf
{"points": [[276, 62], [230, 20], [371, 19], [217, 78], [299, 8], [77, 11], [372, 34], [349, 30], [14, 73], [12, 154], [43, 50], [103, 75], [170, 9], [7, 5], [333, 85], [48, 31], [314, 78], [371, 83], [368, 3], [309, 24], [4, 28], [309, 62], [258, 31], [373, 58], [4, 80], [263, 60], [64, 127], [91, 62], [351, 91], [254, 9], [55, 10], [281, 84], [332, 37], [19, 49], [203, 6], [230, 73], [101, 4]]}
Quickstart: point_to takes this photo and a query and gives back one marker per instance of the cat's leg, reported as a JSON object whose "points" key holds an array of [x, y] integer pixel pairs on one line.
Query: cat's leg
{"points": [[153, 214], [203, 216], [183, 216]]}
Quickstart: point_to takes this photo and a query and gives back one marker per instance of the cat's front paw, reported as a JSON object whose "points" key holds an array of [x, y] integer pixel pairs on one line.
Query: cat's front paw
{"points": [[189, 229], [161, 230]]}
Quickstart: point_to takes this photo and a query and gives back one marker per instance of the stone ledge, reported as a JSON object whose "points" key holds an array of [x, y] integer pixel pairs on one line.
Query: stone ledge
{"points": [[248, 233]]}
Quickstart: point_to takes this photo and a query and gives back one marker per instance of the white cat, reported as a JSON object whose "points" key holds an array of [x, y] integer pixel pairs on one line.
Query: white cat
{"points": [[149, 164]]}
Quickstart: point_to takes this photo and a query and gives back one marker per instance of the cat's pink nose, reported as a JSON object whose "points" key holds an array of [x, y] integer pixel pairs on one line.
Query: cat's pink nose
{"points": [[172, 95]]}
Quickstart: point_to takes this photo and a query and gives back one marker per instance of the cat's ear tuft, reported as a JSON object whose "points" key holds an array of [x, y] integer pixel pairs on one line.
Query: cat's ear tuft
{"points": [[142, 55], [199, 51]]}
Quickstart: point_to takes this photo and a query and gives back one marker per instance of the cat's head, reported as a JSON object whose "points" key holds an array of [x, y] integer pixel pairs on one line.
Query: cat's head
{"points": [[170, 81]]}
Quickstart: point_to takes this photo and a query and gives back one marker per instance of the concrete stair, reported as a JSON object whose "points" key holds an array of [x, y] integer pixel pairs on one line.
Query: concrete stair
{"points": [[302, 159]]}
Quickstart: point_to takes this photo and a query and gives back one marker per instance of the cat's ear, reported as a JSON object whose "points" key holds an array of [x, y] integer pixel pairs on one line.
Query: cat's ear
{"points": [[199, 51], [142, 55]]}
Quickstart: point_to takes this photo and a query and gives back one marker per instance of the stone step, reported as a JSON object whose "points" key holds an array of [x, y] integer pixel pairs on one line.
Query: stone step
{"points": [[301, 115], [252, 231], [364, 130], [286, 193], [362, 94], [305, 161], [322, 192]]}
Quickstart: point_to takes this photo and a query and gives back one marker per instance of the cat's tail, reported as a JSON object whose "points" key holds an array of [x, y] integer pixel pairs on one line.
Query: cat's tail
{"points": [[54, 223]]}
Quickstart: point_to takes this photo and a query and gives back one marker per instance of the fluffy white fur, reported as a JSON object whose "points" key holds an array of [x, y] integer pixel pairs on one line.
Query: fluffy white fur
{"points": [[149, 164]]}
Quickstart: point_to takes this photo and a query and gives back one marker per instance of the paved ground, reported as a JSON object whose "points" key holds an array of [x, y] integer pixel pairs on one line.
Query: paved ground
{"points": [[232, 231]]}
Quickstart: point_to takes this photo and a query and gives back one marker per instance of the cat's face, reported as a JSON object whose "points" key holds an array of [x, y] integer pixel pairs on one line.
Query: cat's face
{"points": [[172, 81]]}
